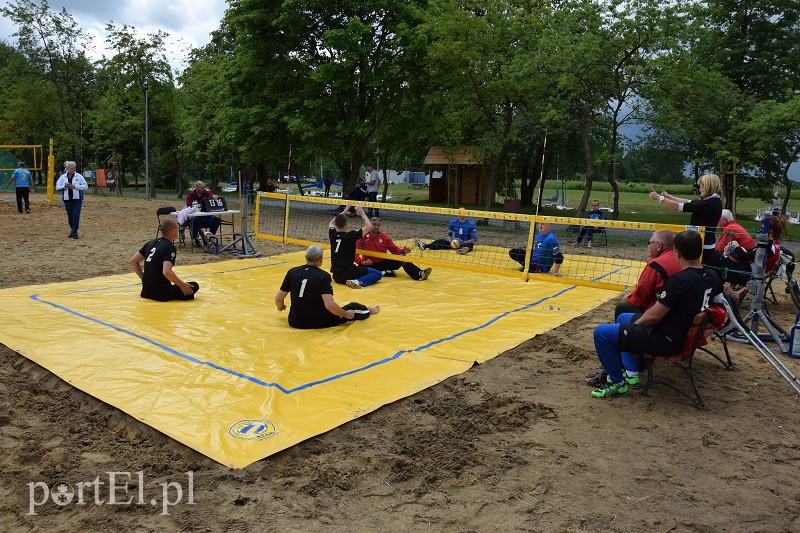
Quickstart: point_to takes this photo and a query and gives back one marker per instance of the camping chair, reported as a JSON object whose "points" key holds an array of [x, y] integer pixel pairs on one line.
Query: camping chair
{"points": [[164, 211], [711, 319]]}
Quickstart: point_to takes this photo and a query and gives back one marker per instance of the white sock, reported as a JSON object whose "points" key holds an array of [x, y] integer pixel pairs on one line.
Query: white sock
{"points": [[631, 374]]}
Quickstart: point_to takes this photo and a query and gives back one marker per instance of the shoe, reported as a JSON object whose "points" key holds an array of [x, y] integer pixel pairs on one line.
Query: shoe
{"points": [[463, 250], [424, 274], [197, 243], [353, 283], [27, 211], [589, 245], [420, 244], [596, 379], [610, 389], [75, 236], [210, 236], [633, 382], [389, 274]]}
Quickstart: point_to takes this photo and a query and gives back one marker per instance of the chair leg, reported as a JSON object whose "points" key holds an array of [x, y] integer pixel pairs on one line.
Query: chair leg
{"points": [[699, 401], [648, 364]]}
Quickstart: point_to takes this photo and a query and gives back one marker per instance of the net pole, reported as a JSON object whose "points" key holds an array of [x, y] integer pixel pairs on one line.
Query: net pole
{"points": [[541, 175], [51, 170], [529, 249], [258, 212], [241, 206]]}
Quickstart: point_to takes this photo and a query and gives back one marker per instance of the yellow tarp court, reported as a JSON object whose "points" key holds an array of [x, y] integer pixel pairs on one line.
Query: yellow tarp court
{"points": [[225, 374]]}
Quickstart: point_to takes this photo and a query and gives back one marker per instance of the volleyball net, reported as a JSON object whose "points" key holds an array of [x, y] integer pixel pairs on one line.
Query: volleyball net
{"points": [[598, 253]]}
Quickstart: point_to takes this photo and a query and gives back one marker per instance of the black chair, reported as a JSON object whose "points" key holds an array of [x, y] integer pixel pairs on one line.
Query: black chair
{"points": [[164, 211]]}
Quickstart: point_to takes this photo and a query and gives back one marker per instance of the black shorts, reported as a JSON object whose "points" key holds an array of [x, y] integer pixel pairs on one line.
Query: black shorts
{"points": [[354, 272], [642, 339], [166, 294]]}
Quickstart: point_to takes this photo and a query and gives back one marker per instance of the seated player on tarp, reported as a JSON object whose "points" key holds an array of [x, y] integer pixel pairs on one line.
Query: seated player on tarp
{"points": [[159, 258], [378, 241], [662, 329], [546, 253], [313, 306], [461, 236], [343, 252]]}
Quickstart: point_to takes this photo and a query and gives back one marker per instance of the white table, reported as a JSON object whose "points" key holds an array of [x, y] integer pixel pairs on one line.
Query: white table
{"points": [[218, 214]]}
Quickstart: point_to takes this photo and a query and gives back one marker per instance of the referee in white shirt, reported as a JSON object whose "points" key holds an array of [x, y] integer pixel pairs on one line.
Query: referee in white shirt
{"points": [[72, 186]]}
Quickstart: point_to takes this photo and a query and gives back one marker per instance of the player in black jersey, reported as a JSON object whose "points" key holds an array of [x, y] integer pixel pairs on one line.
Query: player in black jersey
{"points": [[159, 257], [663, 328], [705, 212], [313, 306], [343, 252]]}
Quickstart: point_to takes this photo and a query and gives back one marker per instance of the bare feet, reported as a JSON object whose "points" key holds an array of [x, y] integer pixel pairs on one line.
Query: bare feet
{"points": [[374, 310]]}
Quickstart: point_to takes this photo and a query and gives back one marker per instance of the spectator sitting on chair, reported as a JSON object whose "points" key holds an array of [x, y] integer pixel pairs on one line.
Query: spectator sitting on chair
{"points": [[343, 252], [313, 305], [659, 268], [378, 241], [546, 254], [731, 231], [159, 258], [589, 231], [461, 230], [663, 328], [211, 222], [359, 194]]}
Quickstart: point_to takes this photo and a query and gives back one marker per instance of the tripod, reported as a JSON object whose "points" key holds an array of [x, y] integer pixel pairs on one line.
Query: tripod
{"points": [[247, 249], [757, 312]]}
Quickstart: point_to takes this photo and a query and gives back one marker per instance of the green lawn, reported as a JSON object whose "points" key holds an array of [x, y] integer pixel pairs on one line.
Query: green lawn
{"points": [[633, 206]]}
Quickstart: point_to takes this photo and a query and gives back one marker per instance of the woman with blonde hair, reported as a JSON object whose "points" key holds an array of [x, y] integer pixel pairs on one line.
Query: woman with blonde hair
{"points": [[705, 212]]}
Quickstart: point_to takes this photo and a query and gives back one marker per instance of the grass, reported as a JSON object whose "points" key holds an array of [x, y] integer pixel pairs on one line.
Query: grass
{"points": [[633, 206]]}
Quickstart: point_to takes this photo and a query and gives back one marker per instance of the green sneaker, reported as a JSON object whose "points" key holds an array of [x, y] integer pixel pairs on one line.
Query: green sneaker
{"points": [[609, 390], [633, 382]]}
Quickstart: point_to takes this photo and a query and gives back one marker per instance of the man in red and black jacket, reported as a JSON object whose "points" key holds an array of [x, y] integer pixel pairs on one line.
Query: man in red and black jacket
{"points": [[378, 241], [661, 266]]}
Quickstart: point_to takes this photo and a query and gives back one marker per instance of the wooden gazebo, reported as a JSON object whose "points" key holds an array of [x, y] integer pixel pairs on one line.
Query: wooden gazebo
{"points": [[464, 176]]}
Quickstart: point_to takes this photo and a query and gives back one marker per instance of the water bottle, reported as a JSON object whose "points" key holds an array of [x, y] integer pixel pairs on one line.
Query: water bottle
{"points": [[794, 339], [195, 206]]}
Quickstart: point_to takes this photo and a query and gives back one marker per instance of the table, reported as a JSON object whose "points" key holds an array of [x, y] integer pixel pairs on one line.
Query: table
{"points": [[218, 214]]}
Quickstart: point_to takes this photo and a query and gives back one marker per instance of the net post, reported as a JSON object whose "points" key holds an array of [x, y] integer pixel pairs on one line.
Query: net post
{"points": [[258, 207], [51, 170], [286, 218], [529, 248]]}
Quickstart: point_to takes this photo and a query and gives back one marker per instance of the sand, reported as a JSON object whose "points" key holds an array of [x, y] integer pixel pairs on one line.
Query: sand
{"points": [[514, 444]]}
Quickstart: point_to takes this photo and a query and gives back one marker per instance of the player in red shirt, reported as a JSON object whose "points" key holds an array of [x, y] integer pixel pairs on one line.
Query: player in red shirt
{"points": [[378, 241]]}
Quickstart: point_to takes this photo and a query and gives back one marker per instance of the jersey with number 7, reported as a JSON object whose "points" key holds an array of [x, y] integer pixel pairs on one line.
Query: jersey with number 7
{"points": [[343, 248]]}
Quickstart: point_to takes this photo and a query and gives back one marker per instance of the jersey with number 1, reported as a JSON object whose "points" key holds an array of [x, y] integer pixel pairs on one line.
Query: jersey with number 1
{"points": [[343, 248], [306, 284], [155, 253]]}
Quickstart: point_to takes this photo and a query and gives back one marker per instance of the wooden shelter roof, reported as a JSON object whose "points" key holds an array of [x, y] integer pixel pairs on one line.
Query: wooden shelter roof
{"points": [[442, 155]]}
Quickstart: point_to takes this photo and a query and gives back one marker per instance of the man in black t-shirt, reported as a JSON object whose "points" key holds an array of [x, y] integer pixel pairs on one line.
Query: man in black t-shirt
{"points": [[313, 306], [159, 258], [343, 252], [662, 329]]}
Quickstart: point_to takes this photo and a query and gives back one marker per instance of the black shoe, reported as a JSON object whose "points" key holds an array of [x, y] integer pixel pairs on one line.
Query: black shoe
{"points": [[197, 243], [389, 274], [423, 274], [75, 236]]}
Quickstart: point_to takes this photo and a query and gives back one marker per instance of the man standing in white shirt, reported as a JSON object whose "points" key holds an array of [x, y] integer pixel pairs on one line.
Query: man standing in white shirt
{"points": [[72, 186], [373, 185]]}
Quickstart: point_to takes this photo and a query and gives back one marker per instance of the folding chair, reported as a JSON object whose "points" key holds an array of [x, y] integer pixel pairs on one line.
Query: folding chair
{"points": [[163, 211], [708, 320]]}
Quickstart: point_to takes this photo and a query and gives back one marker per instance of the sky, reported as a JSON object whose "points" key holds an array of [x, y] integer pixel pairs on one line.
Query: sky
{"points": [[189, 23]]}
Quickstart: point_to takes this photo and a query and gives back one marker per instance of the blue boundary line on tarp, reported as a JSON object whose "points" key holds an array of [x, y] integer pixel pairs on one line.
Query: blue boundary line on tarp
{"points": [[284, 390]]}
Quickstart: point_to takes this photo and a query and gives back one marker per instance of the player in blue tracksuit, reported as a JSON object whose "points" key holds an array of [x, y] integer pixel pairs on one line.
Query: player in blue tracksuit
{"points": [[589, 231], [546, 256], [460, 228]]}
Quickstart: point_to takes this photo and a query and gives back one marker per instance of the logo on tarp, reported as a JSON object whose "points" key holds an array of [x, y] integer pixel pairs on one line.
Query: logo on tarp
{"points": [[253, 429]]}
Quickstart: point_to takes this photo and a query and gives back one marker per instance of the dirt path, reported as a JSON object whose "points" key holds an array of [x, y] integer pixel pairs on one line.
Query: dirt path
{"points": [[515, 443]]}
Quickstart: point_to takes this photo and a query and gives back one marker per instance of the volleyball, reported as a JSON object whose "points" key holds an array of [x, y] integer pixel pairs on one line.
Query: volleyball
{"points": [[456, 244]]}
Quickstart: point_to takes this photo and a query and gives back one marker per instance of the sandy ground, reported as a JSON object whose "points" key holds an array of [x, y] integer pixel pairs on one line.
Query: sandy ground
{"points": [[514, 444]]}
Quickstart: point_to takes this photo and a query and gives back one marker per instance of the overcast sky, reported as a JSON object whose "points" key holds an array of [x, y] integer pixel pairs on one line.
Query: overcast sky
{"points": [[188, 22]]}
